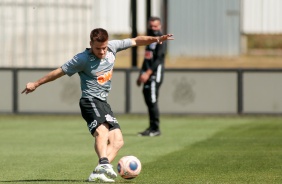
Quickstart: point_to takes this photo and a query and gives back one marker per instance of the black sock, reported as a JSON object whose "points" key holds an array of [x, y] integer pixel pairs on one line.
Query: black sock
{"points": [[103, 160]]}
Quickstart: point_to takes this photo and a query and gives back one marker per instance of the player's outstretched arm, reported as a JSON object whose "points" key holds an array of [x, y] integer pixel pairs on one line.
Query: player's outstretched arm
{"points": [[31, 86], [146, 40]]}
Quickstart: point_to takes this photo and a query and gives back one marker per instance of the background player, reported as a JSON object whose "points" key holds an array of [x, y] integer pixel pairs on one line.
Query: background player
{"points": [[151, 74]]}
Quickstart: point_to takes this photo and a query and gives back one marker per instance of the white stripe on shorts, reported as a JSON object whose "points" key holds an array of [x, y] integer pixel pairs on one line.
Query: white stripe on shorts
{"points": [[94, 108]]}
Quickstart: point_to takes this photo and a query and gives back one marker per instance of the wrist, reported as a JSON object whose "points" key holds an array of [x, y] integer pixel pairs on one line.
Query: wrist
{"points": [[158, 39], [36, 84], [149, 72]]}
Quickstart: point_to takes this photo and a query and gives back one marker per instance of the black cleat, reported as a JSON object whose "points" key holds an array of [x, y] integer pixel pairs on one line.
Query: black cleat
{"points": [[150, 133]]}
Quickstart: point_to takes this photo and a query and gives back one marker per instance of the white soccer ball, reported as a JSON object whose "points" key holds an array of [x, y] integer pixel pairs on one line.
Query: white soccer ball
{"points": [[129, 167]]}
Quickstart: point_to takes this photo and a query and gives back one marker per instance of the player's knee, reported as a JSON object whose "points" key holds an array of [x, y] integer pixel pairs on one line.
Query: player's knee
{"points": [[118, 144], [116, 139]]}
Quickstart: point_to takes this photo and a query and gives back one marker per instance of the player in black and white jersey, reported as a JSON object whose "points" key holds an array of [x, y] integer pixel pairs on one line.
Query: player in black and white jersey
{"points": [[95, 67]]}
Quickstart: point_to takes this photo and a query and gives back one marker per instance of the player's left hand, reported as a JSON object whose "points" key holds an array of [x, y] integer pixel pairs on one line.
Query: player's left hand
{"points": [[165, 37]]}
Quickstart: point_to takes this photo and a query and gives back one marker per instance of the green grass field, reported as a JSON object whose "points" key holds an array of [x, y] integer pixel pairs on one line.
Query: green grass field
{"points": [[208, 149]]}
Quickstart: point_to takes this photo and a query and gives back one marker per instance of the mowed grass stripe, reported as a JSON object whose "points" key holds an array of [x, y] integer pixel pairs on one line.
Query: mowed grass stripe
{"points": [[177, 132], [240, 154]]}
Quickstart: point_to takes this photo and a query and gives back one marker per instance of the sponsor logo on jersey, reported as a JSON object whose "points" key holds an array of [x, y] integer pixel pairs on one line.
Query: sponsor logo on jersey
{"points": [[105, 77], [148, 54], [94, 65]]}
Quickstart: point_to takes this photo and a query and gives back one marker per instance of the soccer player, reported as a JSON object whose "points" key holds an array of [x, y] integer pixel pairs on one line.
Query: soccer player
{"points": [[151, 74], [95, 68]]}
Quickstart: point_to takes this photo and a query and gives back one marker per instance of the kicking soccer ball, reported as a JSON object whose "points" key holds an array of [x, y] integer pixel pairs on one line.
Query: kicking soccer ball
{"points": [[129, 167]]}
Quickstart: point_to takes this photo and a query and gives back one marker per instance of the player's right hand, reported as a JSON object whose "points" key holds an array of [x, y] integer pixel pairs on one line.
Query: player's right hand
{"points": [[30, 87]]}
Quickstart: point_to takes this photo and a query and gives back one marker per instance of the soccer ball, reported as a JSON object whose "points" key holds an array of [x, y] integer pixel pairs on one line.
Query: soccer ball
{"points": [[129, 167]]}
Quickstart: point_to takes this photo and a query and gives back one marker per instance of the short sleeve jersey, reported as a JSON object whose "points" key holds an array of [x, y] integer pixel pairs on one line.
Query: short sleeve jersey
{"points": [[95, 73]]}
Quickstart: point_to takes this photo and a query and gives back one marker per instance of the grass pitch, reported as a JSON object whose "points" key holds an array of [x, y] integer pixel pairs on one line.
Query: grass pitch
{"points": [[59, 149]]}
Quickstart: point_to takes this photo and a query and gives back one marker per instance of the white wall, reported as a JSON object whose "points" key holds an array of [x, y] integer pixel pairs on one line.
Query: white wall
{"points": [[262, 16], [114, 15], [47, 33]]}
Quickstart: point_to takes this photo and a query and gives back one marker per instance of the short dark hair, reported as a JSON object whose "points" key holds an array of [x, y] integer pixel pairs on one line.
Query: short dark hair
{"points": [[99, 35], [154, 19]]}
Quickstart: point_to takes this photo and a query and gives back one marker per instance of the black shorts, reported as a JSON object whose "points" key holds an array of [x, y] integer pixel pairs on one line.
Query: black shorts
{"points": [[95, 112]]}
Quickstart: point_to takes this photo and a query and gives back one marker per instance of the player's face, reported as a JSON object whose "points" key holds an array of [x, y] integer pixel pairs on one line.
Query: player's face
{"points": [[155, 25], [99, 49]]}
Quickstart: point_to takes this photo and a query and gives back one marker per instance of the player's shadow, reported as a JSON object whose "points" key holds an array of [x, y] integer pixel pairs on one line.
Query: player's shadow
{"points": [[43, 180]]}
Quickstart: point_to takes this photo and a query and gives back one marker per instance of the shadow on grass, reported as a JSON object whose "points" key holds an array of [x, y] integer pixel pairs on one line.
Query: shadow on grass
{"points": [[43, 180]]}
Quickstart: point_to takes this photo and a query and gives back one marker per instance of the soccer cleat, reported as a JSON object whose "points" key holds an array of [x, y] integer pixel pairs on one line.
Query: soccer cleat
{"points": [[106, 169], [96, 177], [150, 133], [154, 133], [145, 132]]}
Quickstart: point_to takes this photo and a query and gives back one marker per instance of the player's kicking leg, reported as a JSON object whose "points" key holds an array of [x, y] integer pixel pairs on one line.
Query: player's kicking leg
{"points": [[115, 142], [101, 143]]}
